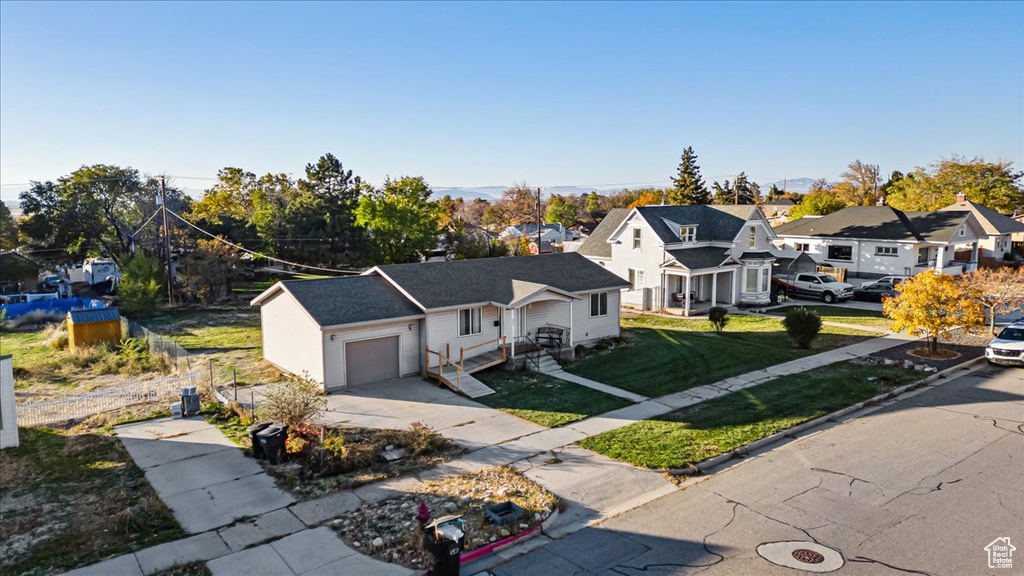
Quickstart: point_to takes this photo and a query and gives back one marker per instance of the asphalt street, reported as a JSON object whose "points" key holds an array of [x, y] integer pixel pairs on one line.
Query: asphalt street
{"points": [[921, 486]]}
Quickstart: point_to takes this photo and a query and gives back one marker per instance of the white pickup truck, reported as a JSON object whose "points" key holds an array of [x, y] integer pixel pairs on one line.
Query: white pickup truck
{"points": [[811, 285]]}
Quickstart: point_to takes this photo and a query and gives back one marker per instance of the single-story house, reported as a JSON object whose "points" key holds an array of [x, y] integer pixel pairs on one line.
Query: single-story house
{"points": [[777, 211], [876, 241], [405, 319], [999, 228], [686, 259]]}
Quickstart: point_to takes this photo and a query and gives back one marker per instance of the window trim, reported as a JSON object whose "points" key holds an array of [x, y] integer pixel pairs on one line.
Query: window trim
{"points": [[479, 321], [753, 236], [887, 251], [688, 234], [602, 304], [636, 274], [829, 255], [638, 234], [757, 280]]}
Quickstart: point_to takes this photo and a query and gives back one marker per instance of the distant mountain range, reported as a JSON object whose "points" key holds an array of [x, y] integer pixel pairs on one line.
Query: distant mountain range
{"points": [[798, 185], [14, 206]]}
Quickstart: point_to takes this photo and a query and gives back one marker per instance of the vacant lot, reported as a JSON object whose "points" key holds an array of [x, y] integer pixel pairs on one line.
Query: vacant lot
{"points": [[543, 399], [872, 318], [45, 369], [69, 501], [228, 335], [693, 434], [664, 355]]}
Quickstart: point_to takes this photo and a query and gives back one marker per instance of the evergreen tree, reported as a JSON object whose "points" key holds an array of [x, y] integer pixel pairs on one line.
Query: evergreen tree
{"points": [[689, 186], [743, 191], [774, 192]]}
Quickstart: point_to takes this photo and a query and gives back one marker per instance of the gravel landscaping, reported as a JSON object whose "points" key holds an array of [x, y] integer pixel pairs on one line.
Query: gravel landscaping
{"points": [[965, 344], [388, 530]]}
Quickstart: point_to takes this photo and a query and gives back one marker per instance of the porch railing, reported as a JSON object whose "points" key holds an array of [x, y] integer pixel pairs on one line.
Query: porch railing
{"points": [[463, 350], [530, 350], [442, 361]]}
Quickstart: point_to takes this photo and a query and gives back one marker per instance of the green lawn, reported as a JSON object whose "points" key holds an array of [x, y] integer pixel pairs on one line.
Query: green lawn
{"points": [[230, 335], [693, 434], [872, 318], [665, 355], [543, 399]]}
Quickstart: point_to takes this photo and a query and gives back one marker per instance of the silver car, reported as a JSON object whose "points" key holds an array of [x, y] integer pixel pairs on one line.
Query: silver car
{"points": [[1008, 347]]}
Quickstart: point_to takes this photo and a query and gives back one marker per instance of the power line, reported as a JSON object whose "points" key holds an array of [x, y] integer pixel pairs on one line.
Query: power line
{"points": [[258, 254]]}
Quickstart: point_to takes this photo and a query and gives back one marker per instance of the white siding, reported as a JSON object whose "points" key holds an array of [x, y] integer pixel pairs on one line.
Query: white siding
{"points": [[291, 339], [554, 312], [410, 354], [648, 258], [442, 332], [587, 329]]}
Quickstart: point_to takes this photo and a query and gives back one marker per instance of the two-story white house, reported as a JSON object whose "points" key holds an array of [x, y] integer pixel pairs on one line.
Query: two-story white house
{"points": [[875, 241], [687, 259]]}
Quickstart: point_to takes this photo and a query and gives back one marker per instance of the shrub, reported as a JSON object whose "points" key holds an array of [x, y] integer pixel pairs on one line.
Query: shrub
{"points": [[802, 325], [140, 287], [294, 403], [719, 317]]}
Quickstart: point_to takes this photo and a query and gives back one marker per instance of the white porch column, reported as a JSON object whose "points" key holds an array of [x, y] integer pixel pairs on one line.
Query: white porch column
{"points": [[974, 255], [513, 314], [732, 291], [572, 333], [714, 289], [686, 308], [939, 258]]}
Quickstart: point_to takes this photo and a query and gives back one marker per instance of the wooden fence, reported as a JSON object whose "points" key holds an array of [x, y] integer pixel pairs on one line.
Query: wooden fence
{"points": [[79, 406]]}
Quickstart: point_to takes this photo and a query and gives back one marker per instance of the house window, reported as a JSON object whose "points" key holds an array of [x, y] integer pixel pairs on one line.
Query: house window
{"points": [[469, 321], [599, 304], [637, 234], [887, 250], [764, 280], [802, 247], [922, 255], [751, 279], [753, 236], [636, 279], [688, 234], [840, 253], [962, 231]]}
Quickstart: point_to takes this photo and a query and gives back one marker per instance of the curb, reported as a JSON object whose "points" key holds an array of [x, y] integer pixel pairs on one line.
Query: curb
{"points": [[702, 467], [495, 547]]}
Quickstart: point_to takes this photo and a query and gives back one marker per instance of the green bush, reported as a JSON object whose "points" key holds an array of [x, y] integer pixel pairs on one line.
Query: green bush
{"points": [[802, 325], [719, 317]]}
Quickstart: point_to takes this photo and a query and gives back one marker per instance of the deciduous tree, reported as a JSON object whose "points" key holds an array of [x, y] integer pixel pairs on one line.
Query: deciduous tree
{"points": [[561, 210], [207, 272], [592, 205], [999, 290], [863, 180], [8, 229], [932, 304], [817, 203], [400, 219], [647, 198], [995, 185], [688, 186]]}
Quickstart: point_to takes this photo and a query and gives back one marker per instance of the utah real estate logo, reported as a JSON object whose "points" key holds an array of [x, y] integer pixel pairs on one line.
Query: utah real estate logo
{"points": [[1000, 553]]}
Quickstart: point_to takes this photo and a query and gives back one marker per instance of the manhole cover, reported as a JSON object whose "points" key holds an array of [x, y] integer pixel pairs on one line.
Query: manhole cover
{"points": [[806, 556]]}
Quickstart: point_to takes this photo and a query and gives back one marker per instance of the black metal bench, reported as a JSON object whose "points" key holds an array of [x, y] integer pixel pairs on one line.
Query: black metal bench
{"points": [[550, 337]]}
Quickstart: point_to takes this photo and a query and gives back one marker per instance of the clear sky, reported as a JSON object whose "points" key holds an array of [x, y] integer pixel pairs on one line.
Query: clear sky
{"points": [[475, 94]]}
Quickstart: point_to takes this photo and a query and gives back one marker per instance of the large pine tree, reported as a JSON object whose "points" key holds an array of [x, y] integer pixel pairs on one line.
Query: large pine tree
{"points": [[742, 191], [689, 186]]}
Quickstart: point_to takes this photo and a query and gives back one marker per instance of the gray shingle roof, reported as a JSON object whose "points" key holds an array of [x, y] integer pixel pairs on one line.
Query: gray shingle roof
{"points": [[878, 223], [596, 245], [698, 258], [463, 282], [714, 223], [993, 222], [347, 300]]}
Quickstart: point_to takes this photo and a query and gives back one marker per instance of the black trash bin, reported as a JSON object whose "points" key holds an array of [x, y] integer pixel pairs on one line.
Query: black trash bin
{"points": [[272, 440], [444, 540], [257, 447]]}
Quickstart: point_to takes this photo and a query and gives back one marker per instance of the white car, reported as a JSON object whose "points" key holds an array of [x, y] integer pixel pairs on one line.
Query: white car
{"points": [[1008, 347]]}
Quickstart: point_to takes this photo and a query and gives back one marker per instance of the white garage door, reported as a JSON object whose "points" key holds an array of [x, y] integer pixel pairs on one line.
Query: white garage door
{"points": [[371, 360]]}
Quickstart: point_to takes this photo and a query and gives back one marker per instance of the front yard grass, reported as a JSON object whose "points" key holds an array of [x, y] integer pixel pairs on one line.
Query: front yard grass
{"points": [[664, 355], [872, 318], [229, 335], [72, 500], [690, 435], [544, 399]]}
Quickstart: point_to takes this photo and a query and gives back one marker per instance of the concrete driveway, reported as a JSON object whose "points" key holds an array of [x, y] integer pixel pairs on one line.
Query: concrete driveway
{"points": [[919, 487], [399, 403]]}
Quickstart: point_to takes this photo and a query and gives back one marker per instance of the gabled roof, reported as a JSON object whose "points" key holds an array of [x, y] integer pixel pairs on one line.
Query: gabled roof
{"points": [[699, 258], [780, 202], [715, 223], [345, 300], [92, 315], [879, 223], [596, 245], [993, 222], [484, 280]]}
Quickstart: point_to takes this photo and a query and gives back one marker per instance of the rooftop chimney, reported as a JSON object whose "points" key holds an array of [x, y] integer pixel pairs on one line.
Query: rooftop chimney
{"points": [[961, 197]]}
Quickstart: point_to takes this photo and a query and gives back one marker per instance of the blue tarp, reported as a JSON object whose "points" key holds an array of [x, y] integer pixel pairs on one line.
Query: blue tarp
{"points": [[56, 307]]}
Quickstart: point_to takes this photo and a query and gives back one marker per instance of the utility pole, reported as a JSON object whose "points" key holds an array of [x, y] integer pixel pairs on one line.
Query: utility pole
{"points": [[538, 221], [167, 239], [736, 188]]}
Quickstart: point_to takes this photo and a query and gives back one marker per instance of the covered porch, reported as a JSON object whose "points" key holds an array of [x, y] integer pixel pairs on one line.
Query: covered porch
{"points": [[690, 292]]}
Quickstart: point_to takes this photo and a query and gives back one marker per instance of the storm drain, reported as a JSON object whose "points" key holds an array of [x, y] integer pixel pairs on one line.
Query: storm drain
{"points": [[807, 556]]}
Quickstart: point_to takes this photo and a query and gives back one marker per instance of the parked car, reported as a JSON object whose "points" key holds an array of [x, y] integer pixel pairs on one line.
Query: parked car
{"points": [[887, 280], [1008, 347], [874, 292], [811, 285]]}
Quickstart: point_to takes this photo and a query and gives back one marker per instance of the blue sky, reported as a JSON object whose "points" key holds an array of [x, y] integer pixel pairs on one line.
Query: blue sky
{"points": [[474, 94]]}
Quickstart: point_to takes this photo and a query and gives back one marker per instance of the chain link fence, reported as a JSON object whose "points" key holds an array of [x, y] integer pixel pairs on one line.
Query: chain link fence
{"points": [[176, 357]]}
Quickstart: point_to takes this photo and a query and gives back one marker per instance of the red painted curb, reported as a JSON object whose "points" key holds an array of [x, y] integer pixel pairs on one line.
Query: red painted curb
{"points": [[495, 546]]}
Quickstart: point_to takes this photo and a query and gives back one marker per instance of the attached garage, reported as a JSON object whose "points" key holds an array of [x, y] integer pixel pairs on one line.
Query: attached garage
{"points": [[378, 359]]}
